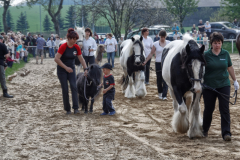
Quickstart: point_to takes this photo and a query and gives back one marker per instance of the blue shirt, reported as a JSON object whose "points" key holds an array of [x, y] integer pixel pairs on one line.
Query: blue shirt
{"points": [[40, 43], [156, 39], [175, 28]]}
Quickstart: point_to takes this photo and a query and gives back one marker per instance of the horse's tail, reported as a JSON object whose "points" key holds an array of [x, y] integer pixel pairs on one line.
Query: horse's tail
{"points": [[124, 81], [238, 43]]}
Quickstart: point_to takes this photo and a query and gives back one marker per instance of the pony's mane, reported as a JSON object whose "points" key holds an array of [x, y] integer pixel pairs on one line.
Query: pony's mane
{"points": [[95, 72]]}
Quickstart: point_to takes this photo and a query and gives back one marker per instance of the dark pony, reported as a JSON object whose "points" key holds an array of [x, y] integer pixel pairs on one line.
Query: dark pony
{"points": [[88, 86], [99, 53], [238, 43]]}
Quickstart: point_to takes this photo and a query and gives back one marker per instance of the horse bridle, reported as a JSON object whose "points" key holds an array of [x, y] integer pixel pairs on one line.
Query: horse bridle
{"points": [[191, 76], [141, 57]]}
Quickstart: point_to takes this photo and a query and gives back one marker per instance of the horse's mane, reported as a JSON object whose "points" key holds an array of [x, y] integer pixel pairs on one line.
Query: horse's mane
{"points": [[238, 43], [95, 72], [188, 41], [127, 45]]}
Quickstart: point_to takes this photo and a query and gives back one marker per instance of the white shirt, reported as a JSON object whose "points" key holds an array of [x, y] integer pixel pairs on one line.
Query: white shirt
{"points": [[110, 43], [51, 44], [148, 44], [89, 43], [57, 43], [207, 26], [159, 50]]}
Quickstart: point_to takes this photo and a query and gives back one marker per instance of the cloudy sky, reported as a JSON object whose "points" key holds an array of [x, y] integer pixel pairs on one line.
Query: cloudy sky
{"points": [[15, 2]]}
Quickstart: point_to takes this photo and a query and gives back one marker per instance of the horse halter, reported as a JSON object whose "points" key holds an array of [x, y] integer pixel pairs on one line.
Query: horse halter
{"points": [[141, 57], [191, 75]]}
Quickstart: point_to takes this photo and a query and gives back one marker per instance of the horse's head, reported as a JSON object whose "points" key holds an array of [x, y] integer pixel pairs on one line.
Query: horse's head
{"points": [[238, 43], [81, 34], [193, 61], [94, 74], [138, 50]]}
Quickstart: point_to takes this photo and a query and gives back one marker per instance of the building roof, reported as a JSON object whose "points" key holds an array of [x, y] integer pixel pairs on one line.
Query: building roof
{"points": [[202, 3]]}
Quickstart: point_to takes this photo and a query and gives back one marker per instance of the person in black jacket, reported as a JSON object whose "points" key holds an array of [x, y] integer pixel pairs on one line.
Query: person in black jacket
{"points": [[3, 55]]}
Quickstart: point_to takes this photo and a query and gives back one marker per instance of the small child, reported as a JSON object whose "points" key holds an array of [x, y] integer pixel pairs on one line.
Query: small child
{"points": [[109, 90], [25, 50]]}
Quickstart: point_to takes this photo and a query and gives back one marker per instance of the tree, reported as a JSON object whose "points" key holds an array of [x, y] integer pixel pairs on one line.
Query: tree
{"points": [[10, 23], [1, 27], [22, 23], [53, 7], [5, 4], [60, 21], [218, 16], [181, 8], [123, 13], [231, 9], [47, 26], [70, 18]]}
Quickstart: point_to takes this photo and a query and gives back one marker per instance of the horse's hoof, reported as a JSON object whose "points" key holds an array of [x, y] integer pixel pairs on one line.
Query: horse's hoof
{"points": [[91, 111], [86, 112], [82, 109]]}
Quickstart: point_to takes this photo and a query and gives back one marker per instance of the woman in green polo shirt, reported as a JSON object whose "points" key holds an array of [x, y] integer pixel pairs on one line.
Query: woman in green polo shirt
{"points": [[218, 68]]}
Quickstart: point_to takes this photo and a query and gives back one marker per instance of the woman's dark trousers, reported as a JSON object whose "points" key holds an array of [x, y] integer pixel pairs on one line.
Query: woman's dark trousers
{"points": [[161, 84], [64, 78], [209, 98]]}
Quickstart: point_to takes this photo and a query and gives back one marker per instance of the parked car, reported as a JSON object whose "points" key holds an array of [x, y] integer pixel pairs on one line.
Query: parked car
{"points": [[227, 29], [154, 30]]}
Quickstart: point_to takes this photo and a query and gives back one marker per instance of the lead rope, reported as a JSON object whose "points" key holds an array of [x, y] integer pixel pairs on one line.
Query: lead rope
{"points": [[85, 83], [223, 95]]}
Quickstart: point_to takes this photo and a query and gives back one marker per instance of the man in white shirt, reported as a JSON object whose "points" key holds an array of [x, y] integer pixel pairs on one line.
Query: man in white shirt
{"points": [[51, 45], [111, 45]]}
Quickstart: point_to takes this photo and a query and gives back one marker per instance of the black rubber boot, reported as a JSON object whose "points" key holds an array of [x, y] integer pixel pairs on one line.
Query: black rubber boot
{"points": [[6, 95]]}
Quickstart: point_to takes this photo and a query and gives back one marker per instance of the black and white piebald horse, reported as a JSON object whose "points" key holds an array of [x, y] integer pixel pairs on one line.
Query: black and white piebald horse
{"points": [[88, 86], [183, 67], [131, 59]]}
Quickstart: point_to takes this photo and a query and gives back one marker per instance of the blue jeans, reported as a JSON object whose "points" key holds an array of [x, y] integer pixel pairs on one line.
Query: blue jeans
{"points": [[34, 52], [51, 52], [25, 59], [111, 55]]}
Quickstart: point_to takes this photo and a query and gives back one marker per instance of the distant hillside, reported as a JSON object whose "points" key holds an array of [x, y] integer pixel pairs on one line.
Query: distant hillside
{"points": [[33, 15]]}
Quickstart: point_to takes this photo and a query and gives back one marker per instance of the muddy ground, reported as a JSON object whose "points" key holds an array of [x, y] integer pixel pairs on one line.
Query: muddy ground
{"points": [[33, 124]]}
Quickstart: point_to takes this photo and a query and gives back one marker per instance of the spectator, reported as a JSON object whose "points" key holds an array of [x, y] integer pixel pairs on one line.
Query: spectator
{"points": [[205, 41], [120, 41], [193, 28], [208, 28], [235, 22], [111, 45], [9, 60], [29, 39], [34, 40], [129, 29], [57, 42], [157, 38], [3, 66], [194, 37], [175, 28], [40, 43], [25, 50], [101, 40], [52, 36], [175, 36], [201, 27], [200, 40], [96, 37], [51, 45]]}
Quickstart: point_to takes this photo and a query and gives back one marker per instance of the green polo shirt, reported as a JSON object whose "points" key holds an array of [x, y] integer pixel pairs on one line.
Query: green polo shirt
{"points": [[216, 73]]}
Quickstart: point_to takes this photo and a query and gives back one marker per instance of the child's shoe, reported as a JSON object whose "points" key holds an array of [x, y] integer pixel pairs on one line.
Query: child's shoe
{"points": [[104, 114], [112, 113]]}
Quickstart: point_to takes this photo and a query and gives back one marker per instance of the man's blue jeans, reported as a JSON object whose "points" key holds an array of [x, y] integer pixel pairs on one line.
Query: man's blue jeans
{"points": [[111, 55], [51, 53]]}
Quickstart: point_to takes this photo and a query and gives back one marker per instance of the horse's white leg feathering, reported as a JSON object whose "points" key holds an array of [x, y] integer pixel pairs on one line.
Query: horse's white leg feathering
{"points": [[180, 121], [195, 129], [130, 91], [141, 88]]}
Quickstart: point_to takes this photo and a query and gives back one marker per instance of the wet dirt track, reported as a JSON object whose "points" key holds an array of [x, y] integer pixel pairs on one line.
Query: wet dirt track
{"points": [[33, 124]]}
